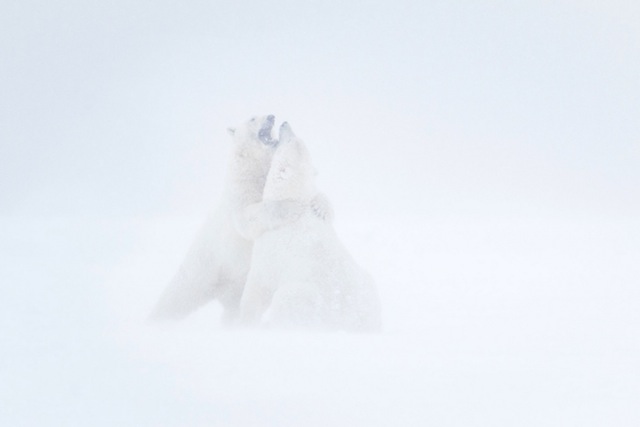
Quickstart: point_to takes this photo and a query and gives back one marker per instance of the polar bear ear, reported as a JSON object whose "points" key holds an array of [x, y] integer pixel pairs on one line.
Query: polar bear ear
{"points": [[231, 131]]}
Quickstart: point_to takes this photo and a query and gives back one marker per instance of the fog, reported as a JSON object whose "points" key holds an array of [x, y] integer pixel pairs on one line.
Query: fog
{"points": [[482, 160]]}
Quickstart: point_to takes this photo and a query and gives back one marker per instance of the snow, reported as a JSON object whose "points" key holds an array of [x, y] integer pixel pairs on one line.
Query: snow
{"points": [[523, 322]]}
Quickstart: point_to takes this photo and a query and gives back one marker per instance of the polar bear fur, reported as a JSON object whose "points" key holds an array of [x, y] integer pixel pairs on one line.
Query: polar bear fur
{"points": [[217, 264], [301, 275]]}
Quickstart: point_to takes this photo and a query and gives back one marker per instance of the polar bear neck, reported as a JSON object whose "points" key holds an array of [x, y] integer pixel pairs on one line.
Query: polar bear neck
{"points": [[300, 187], [247, 175]]}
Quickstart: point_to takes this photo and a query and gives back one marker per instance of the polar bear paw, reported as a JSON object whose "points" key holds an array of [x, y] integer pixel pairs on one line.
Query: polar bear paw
{"points": [[321, 207]]}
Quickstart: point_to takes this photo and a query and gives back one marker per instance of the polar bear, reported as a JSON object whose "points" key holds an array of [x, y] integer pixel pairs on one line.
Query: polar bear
{"points": [[217, 264], [301, 276]]}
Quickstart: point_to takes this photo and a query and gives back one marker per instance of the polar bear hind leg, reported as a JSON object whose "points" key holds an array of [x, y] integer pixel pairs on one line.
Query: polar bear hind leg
{"points": [[295, 306]]}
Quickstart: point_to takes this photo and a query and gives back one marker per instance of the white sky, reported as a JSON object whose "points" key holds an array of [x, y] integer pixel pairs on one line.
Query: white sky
{"points": [[119, 108]]}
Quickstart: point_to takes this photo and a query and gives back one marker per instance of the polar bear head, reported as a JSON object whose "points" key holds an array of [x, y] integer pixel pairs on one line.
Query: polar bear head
{"points": [[258, 127], [292, 176], [253, 148]]}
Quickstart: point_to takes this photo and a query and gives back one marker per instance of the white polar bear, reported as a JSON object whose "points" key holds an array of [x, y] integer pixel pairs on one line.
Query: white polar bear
{"points": [[301, 275], [217, 264]]}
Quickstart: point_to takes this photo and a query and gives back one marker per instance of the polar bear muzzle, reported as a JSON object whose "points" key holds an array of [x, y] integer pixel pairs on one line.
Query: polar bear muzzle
{"points": [[264, 134]]}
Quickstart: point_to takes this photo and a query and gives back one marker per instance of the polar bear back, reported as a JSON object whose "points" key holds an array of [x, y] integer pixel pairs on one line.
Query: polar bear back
{"points": [[315, 282]]}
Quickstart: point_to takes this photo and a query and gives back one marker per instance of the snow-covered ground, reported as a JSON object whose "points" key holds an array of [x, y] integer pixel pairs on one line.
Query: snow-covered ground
{"points": [[486, 322]]}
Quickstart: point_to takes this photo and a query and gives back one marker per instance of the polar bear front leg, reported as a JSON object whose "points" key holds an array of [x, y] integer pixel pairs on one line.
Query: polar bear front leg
{"points": [[268, 215], [271, 214]]}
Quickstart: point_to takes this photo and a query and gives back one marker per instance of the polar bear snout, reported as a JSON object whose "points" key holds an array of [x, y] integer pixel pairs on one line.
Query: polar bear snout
{"points": [[285, 133], [264, 134]]}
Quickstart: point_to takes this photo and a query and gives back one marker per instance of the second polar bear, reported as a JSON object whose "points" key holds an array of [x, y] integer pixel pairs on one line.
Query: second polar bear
{"points": [[301, 275]]}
